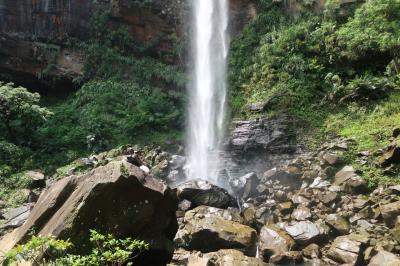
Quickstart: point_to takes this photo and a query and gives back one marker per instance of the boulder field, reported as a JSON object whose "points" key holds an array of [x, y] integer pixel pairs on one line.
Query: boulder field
{"points": [[309, 208]]}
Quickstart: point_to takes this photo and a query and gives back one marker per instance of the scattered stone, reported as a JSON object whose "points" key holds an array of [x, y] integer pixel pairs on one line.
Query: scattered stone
{"points": [[299, 199], [257, 107], [245, 186], [201, 192], [305, 232], [384, 258], [360, 203], [16, 217], [230, 257], [38, 179], [301, 213], [392, 154], [346, 249], [330, 158], [328, 197], [287, 258], [208, 231], [274, 241], [389, 212], [338, 223], [320, 183], [349, 181], [285, 207], [312, 251], [364, 224], [249, 215]]}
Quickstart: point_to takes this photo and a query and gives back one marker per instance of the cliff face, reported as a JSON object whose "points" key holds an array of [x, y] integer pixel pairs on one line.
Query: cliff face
{"points": [[36, 35]]}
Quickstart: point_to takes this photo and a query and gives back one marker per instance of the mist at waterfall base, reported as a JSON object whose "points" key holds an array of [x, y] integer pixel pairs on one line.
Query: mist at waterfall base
{"points": [[207, 89]]}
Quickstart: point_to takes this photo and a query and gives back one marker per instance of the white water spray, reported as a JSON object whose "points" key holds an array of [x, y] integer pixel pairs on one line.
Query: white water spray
{"points": [[208, 88]]}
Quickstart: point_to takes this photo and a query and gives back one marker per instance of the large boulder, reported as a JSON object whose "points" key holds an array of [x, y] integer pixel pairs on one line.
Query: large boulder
{"points": [[210, 230], [201, 192], [117, 198], [274, 241]]}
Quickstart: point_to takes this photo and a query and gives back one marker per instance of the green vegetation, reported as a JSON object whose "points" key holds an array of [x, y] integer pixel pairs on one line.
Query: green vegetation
{"points": [[337, 73], [124, 98], [106, 250], [20, 113], [127, 95]]}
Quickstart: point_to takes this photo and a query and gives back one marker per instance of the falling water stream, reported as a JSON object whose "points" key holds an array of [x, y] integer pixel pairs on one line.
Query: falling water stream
{"points": [[208, 88]]}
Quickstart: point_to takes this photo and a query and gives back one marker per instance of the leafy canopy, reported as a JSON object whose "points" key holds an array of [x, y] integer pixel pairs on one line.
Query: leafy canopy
{"points": [[20, 112]]}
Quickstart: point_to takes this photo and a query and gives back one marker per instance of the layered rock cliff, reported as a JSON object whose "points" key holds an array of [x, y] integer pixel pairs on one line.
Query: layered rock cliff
{"points": [[39, 39]]}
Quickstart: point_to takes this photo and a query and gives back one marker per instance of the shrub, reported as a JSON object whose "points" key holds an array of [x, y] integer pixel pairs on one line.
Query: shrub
{"points": [[106, 250], [20, 113]]}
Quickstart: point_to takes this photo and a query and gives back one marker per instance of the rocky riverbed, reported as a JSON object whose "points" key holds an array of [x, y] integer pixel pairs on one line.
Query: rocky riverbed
{"points": [[304, 207]]}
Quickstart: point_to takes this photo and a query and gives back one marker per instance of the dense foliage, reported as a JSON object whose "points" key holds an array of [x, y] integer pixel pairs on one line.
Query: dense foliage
{"points": [[20, 113], [125, 97], [342, 66], [106, 250]]}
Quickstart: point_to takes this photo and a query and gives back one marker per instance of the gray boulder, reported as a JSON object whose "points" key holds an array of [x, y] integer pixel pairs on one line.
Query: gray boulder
{"points": [[245, 186], [306, 232], [16, 217], [301, 213], [209, 229], [200, 192], [338, 223], [347, 249], [274, 241], [348, 180]]}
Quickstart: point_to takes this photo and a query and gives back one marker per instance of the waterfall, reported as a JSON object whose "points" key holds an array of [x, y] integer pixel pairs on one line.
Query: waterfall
{"points": [[208, 87]]}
